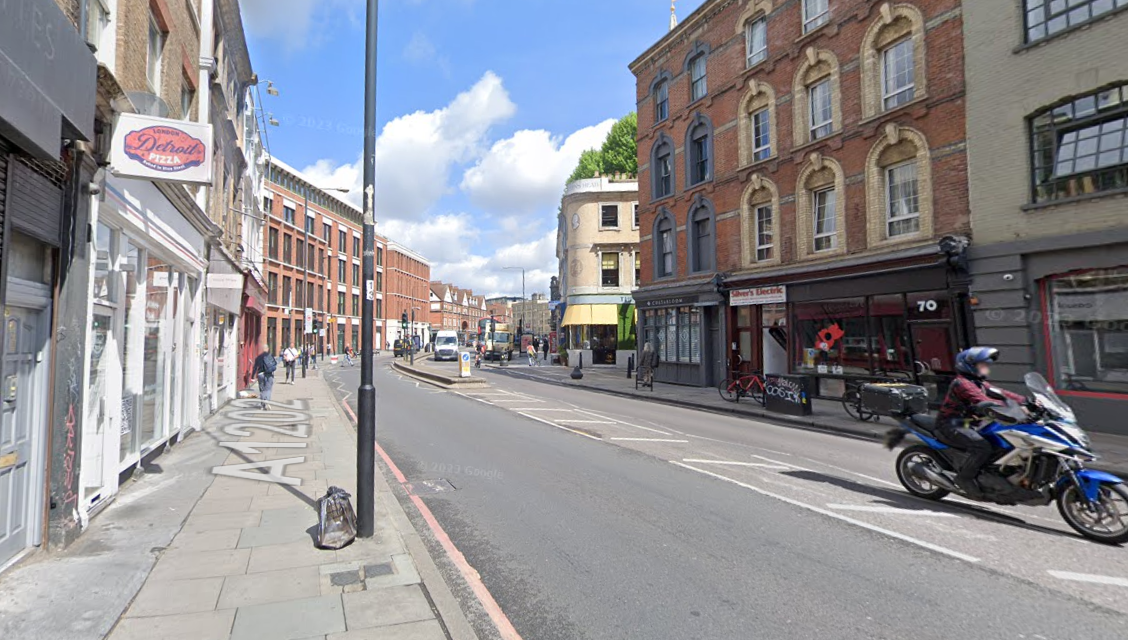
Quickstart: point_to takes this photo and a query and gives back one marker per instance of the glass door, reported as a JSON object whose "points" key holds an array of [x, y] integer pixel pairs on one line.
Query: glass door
{"points": [[101, 430]]}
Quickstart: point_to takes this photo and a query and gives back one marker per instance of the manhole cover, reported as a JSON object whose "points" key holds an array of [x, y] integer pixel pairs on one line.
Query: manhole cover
{"points": [[430, 487], [376, 570]]}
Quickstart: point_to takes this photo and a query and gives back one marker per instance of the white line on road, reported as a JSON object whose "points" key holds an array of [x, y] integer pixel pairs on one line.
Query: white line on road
{"points": [[582, 421], [541, 409], [650, 440], [782, 464], [733, 463], [1087, 577], [836, 516], [891, 510], [560, 426], [625, 424]]}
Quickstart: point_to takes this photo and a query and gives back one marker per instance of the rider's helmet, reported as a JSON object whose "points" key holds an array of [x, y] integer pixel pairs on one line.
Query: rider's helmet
{"points": [[968, 361]]}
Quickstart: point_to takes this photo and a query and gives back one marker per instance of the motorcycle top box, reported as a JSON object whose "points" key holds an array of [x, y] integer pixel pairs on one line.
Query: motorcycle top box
{"points": [[895, 399]]}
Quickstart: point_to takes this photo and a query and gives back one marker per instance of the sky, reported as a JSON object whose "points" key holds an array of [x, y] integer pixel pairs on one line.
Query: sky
{"points": [[483, 108]]}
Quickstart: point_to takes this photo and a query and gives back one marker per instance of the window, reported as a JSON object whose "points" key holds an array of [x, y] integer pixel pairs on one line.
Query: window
{"points": [[664, 245], [356, 305], [609, 269], [311, 225], [299, 295], [155, 55], [756, 41], [702, 242], [267, 205], [609, 216], [310, 264], [300, 255], [287, 249], [356, 247], [288, 213], [187, 95], [287, 292], [379, 280], [822, 112], [1081, 146], [272, 335], [320, 297], [761, 135], [356, 275], [697, 83], [341, 270], [272, 244], [815, 14], [272, 287], [849, 354], [826, 220], [897, 74], [699, 151], [327, 232], [765, 239], [1047, 17], [341, 303], [662, 163], [902, 200], [634, 224], [99, 22], [379, 256], [342, 243], [676, 333], [1088, 326], [638, 269], [322, 268], [661, 101]]}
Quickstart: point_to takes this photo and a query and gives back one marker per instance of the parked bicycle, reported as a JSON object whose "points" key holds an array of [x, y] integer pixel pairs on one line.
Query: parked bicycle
{"points": [[852, 399], [743, 385]]}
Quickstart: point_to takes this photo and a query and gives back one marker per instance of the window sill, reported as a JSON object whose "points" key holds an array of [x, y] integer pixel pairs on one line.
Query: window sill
{"points": [[813, 33], [756, 164], [610, 229], [1023, 48], [803, 148], [1039, 206], [917, 101]]}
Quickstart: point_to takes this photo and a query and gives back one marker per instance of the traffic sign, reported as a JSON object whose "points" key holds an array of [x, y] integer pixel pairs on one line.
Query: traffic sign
{"points": [[464, 362]]}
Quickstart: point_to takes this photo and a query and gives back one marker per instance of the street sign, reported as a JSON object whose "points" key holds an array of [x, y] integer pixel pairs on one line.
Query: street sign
{"points": [[464, 362]]}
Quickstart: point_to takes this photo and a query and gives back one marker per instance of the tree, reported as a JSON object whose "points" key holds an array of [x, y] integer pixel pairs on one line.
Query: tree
{"points": [[620, 149], [591, 163]]}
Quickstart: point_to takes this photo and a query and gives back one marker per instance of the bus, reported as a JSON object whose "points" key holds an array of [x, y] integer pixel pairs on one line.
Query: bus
{"points": [[498, 337]]}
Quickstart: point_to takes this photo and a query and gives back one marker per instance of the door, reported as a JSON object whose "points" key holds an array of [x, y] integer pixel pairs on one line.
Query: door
{"points": [[22, 416], [934, 353], [101, 431]]}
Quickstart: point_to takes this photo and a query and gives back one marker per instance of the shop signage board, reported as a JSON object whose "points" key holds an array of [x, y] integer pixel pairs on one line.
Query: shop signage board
{"points": [[758, 295], [790, 395], [671, 301], [225, 281], [162, 149]]}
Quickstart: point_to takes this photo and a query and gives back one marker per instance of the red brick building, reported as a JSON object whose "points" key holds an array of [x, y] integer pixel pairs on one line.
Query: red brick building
{"points": [[407, 288], [799, 163], [456, 309]]}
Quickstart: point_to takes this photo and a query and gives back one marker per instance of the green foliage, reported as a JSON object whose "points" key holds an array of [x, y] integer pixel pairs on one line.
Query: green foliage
{"points": [[620, 149], [628, 328], [591, 163]]}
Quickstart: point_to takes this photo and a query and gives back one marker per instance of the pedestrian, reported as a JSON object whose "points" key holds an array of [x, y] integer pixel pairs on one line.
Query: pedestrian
{"points": [[532, 353], [544, 345], [263, 371], [349, 355], [290, 359], [313, 357], [648, 363]]}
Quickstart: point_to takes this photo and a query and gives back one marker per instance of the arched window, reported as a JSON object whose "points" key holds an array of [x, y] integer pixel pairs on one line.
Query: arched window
{"points": [[701, 227], [756, 123], [662, 167], [893, 67], [698, 150], [665, 241], [660, 94], [817, 97], [696, 66], [759, 220], [820, 207], [898, 187]]}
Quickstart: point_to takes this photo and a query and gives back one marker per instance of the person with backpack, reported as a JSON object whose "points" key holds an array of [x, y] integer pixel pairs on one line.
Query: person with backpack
{"points": [[263, 371]]}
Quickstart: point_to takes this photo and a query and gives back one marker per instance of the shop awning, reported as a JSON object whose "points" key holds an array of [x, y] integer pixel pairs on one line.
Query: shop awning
{"points": [[591, 314]]}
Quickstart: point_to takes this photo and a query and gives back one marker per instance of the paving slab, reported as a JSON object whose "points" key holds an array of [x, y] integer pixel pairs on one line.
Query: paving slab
{"points": [[222, 521], [290, 620], [206, 540], [288, 556], [163, 598], [186, 565], [213, 625], [422, 630], [269, 586], [384, 607], [222, 505]]}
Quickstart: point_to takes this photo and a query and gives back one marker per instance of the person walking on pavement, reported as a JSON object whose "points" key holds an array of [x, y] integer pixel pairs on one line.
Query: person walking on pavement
{"points": [[349, 355], [263, 370], [313, 357], [532, 353], [544, 346], [290, 359]]}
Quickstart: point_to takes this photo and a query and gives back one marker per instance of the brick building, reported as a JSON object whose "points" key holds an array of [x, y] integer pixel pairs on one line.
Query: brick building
{"points": [[407, 289], [799, 163], [1048, 167], [455, 309], [313, 262]]}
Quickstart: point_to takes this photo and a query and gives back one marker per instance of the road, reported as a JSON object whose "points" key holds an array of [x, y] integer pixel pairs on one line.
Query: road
{"points": [[593, 516]]}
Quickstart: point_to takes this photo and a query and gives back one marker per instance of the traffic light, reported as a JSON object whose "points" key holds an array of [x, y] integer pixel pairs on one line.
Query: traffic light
{"points": [[403, 321]]}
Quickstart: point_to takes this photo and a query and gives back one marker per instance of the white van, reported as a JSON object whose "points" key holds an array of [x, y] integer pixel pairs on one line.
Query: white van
{"points": [[446, 345]]}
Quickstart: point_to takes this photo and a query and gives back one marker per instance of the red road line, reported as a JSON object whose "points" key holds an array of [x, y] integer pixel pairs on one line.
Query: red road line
{"points": [[485, 598]]}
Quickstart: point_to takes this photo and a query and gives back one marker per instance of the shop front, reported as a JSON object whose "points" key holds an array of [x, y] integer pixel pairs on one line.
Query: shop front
{"points": [[687, 330], [226, 283], [603, 334], [250, 337]]}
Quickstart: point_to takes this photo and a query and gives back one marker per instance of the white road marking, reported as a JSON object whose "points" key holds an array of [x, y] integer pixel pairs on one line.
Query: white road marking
{"points": [[1087, 577], [758, 465], [891, 510], [541, 409], [495, 400], [582, 421], [650, 440], [782, 464], [836, 516], [625, 424], [560, 426]]}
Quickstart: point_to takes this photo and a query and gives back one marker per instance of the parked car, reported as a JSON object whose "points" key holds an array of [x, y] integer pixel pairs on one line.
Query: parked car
{"points": [[401, 348]]}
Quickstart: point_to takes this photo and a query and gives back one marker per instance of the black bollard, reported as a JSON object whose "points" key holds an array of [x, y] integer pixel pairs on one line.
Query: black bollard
{"points": [[630, 365], [578, 373]]}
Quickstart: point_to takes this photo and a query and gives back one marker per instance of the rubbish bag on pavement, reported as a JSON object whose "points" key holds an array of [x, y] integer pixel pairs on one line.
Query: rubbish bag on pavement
{"points": [[336, 524]]}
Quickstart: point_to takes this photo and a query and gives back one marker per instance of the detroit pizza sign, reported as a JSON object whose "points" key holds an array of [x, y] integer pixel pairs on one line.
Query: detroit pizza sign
{"points": [[162, 149]]}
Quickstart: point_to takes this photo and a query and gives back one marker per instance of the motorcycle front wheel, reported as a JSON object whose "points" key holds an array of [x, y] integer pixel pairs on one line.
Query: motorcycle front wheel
{"points": [[1104, 520], [916, 485]]}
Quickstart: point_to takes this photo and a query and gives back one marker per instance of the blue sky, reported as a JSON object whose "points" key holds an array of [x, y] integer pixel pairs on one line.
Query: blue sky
{"points": [[483, 109]]}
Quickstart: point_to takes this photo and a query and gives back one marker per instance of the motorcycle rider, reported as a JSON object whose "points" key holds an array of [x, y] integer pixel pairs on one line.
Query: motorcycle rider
{"points": [[968, 390]]}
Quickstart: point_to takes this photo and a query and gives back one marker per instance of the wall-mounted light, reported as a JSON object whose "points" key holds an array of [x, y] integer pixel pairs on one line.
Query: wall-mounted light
{"points": [[270, 90]]}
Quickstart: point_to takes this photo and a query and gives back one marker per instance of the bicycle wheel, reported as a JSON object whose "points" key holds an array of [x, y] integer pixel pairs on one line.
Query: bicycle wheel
{"points": [[756, 390], [852, 403], [729, 390]]}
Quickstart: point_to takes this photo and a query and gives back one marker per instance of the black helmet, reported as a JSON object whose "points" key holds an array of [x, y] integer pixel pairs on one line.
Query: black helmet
{"points": [[967, 361]]}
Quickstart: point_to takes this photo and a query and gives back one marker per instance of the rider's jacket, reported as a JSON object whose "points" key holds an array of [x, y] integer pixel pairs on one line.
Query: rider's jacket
{"points": [[962, 397]]}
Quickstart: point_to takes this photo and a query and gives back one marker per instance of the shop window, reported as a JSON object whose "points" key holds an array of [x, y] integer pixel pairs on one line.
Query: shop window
{"points": [[817, 97], [898, 187], [1081, 146], [831, 337], [1087, 318], [609, 269], [105, 258], [889, 335], [892, 59], [676, 332], [1045, 18]]}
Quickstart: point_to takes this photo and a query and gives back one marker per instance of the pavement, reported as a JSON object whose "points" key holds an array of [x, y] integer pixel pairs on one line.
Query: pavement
{"points": [[591, 515], [206, 547], [827, 415]]}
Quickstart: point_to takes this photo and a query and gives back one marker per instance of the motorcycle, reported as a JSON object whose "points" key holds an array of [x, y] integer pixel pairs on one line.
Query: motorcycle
{"points": [[1040, 457]]}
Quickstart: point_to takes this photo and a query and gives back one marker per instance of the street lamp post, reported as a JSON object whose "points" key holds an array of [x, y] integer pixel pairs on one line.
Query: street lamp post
{"points": [[366, 394], [522, 296]]}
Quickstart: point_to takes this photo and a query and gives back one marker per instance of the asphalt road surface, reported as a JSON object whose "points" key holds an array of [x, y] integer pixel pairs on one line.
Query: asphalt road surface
{"points": [[594, 516]]}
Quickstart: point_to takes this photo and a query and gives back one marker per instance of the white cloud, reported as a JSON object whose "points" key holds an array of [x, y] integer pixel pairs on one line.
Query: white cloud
{"points": [[526, 172], [441, 239], [416, 152], [487, 274]]}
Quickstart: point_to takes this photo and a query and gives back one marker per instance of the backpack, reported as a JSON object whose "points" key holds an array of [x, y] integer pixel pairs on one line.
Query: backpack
{"points": [[269, 364]]}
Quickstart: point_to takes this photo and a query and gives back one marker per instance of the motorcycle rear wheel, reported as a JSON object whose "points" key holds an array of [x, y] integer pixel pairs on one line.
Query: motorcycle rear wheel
{"points": [[1106, 521], [914, 484]]}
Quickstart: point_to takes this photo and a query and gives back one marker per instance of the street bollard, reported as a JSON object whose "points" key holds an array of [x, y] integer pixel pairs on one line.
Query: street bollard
{"points": [[630, 365]]}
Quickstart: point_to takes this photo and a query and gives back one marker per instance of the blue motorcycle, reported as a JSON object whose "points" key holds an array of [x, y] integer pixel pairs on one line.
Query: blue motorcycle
{"points": [[1040, 457]]}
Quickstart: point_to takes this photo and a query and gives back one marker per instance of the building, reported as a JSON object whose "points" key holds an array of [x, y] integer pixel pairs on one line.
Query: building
{"points": [[534, 315], [407, 294], [1048, 165], [799, 165], [500, 308], [313, 266], [597, 246], [455, 309]]}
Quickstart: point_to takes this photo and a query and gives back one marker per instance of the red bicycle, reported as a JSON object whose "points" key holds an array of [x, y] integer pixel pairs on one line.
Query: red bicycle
{"points": [[743, 385]]}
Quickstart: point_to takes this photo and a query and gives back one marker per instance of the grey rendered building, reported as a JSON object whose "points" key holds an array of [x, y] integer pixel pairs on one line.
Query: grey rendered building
{"points": [[1047, 119]]}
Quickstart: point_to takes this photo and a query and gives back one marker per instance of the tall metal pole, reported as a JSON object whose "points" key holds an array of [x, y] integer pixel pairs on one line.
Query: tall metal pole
{"points": [[305, 280], [366, 395]]}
